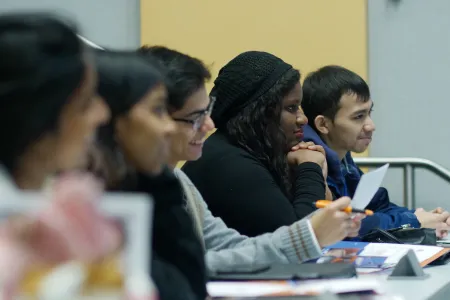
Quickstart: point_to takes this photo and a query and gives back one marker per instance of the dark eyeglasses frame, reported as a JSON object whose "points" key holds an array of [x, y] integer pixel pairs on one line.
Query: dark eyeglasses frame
{"points": [[200, 120]]}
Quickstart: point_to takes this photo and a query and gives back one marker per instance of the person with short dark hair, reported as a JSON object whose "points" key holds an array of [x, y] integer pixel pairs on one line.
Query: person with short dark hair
{"points": [[186, 77], [338, 105]]}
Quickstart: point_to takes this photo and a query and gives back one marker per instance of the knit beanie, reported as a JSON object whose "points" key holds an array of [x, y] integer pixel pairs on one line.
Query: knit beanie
{"points": [[242, 81], [124, 78]]}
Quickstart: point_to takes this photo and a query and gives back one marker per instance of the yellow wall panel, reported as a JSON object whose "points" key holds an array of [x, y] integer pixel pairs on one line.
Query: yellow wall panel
{"points": [[305, 33]]}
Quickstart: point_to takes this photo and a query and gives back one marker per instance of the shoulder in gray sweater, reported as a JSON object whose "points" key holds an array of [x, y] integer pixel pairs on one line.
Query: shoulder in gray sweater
{"points": [[226, 248]]}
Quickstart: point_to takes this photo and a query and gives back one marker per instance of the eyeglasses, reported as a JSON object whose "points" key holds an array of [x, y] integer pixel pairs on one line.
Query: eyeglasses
{"points": [[202, 115]]}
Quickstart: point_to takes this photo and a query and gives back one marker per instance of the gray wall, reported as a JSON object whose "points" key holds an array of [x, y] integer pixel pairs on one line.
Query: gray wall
{"points": [[109, 23], [409, 75]]}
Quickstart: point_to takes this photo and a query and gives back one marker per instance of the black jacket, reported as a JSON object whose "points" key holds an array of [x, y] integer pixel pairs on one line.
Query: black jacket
{"points": [[178, 267], [241, 190]]}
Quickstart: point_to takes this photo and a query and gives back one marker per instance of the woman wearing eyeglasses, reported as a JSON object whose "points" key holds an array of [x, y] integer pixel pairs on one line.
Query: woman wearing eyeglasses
{"points": [[194, 124], [189, 105]]}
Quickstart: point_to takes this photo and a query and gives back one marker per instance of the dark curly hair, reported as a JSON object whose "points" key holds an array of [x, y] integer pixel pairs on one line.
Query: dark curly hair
{"points": [[256, 128]]}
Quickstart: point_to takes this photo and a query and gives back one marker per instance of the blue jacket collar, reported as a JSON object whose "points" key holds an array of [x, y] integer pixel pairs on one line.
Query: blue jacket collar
{"points": [[334, 164]]}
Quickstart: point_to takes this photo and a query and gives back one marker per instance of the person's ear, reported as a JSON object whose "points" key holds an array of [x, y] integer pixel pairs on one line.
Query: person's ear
{"points": [[322, 124]]}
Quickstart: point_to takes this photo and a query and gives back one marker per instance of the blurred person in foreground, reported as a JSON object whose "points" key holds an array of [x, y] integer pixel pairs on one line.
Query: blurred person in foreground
{"points": [[133, 152], [50, 114]]}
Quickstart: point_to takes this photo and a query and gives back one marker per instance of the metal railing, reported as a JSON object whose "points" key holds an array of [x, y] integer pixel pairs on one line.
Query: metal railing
{"points": [[408, 164]]}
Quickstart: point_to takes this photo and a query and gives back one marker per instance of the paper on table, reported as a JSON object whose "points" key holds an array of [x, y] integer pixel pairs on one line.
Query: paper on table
{"points": [[254, 289], [246, 289], [363, 271], [339, 286], [367, 187]]}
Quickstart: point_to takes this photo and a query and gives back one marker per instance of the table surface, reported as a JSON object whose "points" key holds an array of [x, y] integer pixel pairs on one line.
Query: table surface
{"points": [[435, 287]]}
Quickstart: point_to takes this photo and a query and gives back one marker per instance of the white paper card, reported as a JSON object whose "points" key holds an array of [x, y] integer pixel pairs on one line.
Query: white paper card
{"points": [[368, 186]]}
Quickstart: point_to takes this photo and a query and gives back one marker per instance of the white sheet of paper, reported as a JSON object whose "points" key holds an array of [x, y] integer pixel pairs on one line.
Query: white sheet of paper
{"points": [[245, 289], [339, 286], [254, 289], [363, 271], [368, 186]]}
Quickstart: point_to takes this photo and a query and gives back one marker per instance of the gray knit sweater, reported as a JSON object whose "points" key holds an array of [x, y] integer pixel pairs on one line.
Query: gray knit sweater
{"points": [[225, 247]]}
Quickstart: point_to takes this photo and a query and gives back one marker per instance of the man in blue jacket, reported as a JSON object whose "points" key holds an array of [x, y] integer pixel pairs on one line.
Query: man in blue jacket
{"points": [[338, 106]]}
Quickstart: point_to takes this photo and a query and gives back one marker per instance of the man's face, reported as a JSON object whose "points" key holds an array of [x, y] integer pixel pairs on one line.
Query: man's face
{"points": [[352, 127]]}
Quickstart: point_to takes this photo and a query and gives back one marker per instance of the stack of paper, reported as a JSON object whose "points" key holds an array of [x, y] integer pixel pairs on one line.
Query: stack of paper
{"points": [[303, 288], [373, 257], [394, 252]]}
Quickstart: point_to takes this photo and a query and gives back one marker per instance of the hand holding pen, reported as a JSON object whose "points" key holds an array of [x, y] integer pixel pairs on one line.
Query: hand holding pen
{"points": [[332, 224]]}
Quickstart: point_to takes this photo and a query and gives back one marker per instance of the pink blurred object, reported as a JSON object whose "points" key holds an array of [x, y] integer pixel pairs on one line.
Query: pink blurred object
{"points": [[70, 228], [84, 233], [13, 261]]}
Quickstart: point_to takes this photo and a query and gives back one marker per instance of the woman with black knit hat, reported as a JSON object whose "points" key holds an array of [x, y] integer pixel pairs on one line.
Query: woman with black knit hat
{"points": [[253, 172], [138, 136]]}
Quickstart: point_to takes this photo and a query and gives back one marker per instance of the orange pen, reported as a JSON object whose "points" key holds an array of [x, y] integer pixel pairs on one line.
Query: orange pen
{"points": [[348, 209]]}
